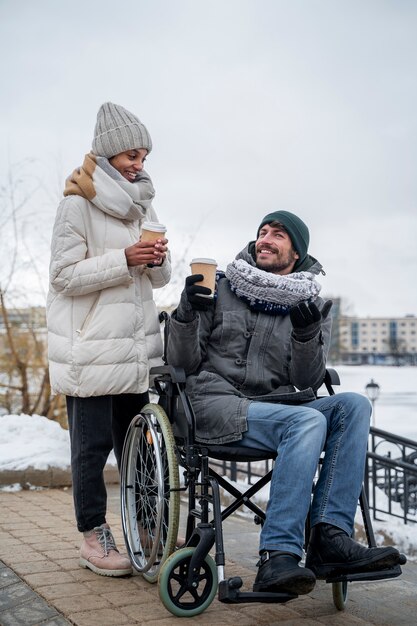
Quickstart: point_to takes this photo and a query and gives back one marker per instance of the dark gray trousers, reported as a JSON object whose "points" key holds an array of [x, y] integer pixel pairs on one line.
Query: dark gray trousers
{"points": [[97, 425]]}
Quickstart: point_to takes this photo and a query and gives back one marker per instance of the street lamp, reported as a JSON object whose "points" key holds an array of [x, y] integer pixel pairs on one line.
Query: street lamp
{"points": [[372, 391]]}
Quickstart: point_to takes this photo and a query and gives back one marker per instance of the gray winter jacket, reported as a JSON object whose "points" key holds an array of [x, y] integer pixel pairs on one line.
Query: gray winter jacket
{"points": [[233, 355]]}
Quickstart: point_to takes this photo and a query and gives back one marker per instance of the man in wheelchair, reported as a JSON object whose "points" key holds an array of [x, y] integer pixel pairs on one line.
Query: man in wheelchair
{"points": [[255, 357]]}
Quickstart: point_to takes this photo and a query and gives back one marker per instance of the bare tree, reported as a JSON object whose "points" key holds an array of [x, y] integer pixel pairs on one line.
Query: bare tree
{"points": [[24, 376], [397, 349], [167, 297], [24, 246]]}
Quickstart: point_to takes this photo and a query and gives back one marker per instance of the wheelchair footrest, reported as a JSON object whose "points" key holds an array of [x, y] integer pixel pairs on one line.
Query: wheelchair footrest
{"points": [[229, 593], [391, 572]]}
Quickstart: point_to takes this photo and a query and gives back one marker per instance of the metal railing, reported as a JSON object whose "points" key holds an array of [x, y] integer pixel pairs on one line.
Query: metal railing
{"points": [[390, 475]]}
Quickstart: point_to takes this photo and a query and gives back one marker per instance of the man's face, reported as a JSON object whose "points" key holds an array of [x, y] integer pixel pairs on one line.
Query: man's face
{"points": [[274, 250]]}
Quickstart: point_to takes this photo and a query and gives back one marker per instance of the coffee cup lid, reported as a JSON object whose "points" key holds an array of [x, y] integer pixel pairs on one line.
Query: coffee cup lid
{"points": [[202, 260], [156, 226]]}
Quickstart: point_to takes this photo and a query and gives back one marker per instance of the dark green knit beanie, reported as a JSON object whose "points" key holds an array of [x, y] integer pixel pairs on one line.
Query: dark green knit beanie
{"points": [[296, 229]]}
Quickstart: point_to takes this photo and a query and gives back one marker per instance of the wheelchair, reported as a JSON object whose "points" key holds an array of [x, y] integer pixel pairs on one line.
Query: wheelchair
{"points": [[159, 441]]}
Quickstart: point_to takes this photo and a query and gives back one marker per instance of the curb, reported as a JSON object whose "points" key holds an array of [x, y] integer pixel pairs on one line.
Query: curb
{"points": [[52, 477]]}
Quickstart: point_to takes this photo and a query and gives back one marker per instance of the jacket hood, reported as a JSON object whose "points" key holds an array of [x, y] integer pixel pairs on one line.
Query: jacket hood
{"points": [[309, 264]]}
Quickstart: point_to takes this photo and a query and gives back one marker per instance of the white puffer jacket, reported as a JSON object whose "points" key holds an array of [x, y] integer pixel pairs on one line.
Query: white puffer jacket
{"points": [[103, 327]]}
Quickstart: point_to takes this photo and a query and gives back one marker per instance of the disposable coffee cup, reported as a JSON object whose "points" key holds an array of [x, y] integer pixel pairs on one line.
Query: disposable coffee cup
{"points": [[152, 231], [206, 267]]}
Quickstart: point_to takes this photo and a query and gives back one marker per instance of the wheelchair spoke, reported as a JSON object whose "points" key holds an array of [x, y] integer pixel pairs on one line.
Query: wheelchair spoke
{"points": [[149, 486]]}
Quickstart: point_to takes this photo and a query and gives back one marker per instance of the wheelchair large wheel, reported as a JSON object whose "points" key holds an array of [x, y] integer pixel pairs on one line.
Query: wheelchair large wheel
{"points": [[340, 593], [150, 501], [176, 595]]}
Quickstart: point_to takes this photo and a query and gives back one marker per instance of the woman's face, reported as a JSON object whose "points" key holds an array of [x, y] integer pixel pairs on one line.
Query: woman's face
{"points": [[129, 163]]}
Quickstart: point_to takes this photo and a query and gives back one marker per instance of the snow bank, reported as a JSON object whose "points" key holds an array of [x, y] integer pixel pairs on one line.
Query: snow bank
{"points": [[34, 441]]}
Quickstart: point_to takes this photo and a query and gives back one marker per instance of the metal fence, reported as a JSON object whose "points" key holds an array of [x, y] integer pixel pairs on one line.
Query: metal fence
{"points": [[390, 475]]}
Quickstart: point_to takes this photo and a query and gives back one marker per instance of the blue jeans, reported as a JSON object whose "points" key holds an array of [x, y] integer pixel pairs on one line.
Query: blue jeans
{"points": [[337, 424], [96, 425]]}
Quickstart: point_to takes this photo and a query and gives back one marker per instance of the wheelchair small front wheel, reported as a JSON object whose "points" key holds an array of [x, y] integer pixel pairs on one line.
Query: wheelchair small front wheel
{"points": [[340, 594], [175, 593]]}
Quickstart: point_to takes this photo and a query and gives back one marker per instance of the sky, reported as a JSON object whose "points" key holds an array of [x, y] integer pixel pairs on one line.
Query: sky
{"points": [[304, 105]]}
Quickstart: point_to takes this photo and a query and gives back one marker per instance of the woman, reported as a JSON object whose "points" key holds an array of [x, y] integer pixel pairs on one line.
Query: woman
{"points": [[103, 327]]}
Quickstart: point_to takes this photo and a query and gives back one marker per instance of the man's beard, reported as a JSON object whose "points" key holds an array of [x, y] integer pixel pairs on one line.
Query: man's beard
{"points": [[281, 264]]}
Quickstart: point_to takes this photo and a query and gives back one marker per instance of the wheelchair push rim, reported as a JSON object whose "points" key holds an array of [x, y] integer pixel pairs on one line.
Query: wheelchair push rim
{"points": [[149, 491]]}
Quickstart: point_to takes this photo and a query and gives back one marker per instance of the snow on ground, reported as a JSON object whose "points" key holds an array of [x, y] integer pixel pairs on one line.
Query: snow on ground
{"points": [[38, 442], [396, 407], [34, 441], [388, 530]]}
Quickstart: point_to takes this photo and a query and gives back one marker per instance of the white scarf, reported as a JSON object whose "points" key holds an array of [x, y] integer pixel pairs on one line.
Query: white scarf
{"points": [[104, 187], [271, 293]]}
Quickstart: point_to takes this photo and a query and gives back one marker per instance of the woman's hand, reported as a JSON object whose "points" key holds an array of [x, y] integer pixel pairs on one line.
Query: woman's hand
{"points": [[146, 252]]}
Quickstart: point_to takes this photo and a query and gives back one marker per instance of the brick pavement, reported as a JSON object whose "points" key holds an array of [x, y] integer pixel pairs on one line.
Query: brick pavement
{"points": [[41, 582]]}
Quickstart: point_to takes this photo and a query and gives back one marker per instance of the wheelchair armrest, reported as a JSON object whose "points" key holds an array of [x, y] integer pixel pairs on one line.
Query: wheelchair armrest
{"points": [[332, 377], [177, 374]]}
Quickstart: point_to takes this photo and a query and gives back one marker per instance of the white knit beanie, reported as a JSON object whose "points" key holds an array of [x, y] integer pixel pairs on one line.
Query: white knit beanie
{"points": [[117, 131]]}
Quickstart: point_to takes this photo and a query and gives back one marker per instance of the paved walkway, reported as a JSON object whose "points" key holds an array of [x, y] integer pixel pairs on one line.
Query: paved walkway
{"points": [[41, 582]]}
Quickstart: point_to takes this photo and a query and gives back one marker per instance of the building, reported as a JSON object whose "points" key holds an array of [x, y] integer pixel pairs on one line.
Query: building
{"points": [[29, 317], [377, 340]]}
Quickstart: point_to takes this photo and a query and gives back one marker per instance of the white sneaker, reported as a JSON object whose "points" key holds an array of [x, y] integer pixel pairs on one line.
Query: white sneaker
{"points": [[98, 552]]}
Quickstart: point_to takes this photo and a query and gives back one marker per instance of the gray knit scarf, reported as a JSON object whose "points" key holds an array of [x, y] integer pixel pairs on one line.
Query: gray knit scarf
{"points": [[270, 293]]}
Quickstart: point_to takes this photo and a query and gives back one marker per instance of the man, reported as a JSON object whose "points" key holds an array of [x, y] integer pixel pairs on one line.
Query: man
{"points": [[255, 356]]}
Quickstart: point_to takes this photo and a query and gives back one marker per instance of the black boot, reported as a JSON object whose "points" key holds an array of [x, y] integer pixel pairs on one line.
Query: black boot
{"points": [[279, 572], [332, 552]]}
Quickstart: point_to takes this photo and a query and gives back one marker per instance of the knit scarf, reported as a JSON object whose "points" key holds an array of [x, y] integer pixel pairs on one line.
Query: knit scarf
{"points": [[101, 184], [270, 293]]}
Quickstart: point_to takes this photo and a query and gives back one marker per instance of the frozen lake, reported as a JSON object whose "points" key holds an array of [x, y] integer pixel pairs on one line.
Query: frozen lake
{"points": [[396, 407]]}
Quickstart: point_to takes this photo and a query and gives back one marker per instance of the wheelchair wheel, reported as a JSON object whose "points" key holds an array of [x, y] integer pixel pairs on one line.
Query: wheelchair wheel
{"points": [[150, 501], [176, 595], [340, 594]]}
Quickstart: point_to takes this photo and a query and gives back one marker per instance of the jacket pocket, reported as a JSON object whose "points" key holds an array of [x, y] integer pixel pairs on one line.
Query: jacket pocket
{"points": [[81, 331], [229, 332]]}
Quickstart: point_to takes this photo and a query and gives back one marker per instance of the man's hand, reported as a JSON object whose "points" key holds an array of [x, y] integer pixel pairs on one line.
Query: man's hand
{"points": [[146, 252], [197, 294], [192, 299], [307, 319]]}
